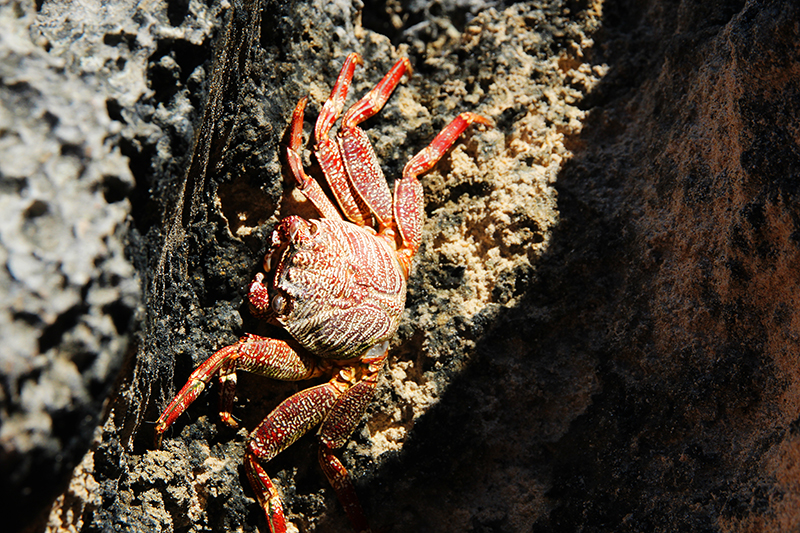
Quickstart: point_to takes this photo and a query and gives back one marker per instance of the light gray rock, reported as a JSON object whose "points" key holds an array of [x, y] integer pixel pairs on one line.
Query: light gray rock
{"points": [[69, 293]]}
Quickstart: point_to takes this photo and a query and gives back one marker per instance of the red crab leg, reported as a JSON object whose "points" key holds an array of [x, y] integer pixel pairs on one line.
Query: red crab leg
{"points": [[268, 497], [408, 205], [327, 151], [373, 101], [339, 405], [337, 427], [357, 152], [283, 426], [339, 479], [335, 103], [269, 357], [308, 186]]}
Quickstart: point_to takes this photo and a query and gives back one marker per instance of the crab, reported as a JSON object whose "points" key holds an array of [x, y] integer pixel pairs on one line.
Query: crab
{"points": [[337, 284]]}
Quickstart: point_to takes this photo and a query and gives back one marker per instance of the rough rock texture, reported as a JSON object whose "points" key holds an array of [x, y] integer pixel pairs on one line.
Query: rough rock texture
{"points": [[600, 331], [69, 294]]}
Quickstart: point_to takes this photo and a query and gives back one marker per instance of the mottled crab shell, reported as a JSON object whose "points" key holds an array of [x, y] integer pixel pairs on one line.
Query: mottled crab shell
{"points": [[337, 288]]}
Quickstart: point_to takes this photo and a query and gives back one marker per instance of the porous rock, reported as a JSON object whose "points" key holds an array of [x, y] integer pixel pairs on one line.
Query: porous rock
{"points": [[68, 292]]}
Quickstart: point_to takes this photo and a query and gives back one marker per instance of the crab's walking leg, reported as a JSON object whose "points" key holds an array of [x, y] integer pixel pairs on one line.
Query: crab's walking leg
{"points": [[339, 406], [356, 150], [337, 427], [340, 481], [327, 151], [408, 205], [284, 425], [335, 103], [374, 100], [269, 357], [267, 495], [308, 186]]}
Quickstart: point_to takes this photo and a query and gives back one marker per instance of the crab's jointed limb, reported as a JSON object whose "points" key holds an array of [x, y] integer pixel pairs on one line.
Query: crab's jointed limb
{"points": [[307, 185], [408, 202], [337, 406], [273, 358], [349, 162]]}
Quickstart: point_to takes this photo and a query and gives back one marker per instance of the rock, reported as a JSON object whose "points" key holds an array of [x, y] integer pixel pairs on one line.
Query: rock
{"points": [[69, 293], [599, 330]]}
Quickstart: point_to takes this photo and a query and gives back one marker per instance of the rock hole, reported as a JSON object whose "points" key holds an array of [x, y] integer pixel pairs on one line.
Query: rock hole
{"points": [[37, 209]]}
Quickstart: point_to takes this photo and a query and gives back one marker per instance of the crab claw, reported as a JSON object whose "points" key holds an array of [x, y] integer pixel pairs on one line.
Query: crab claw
{"points": [[258, 295]]}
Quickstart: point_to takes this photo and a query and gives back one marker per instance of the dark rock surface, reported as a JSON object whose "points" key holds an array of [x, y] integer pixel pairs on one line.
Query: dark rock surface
{"points": [[601, 331]]}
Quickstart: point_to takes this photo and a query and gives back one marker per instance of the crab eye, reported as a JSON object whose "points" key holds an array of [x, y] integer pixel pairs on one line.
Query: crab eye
{"points": [[278, 304], [296, 226]]}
